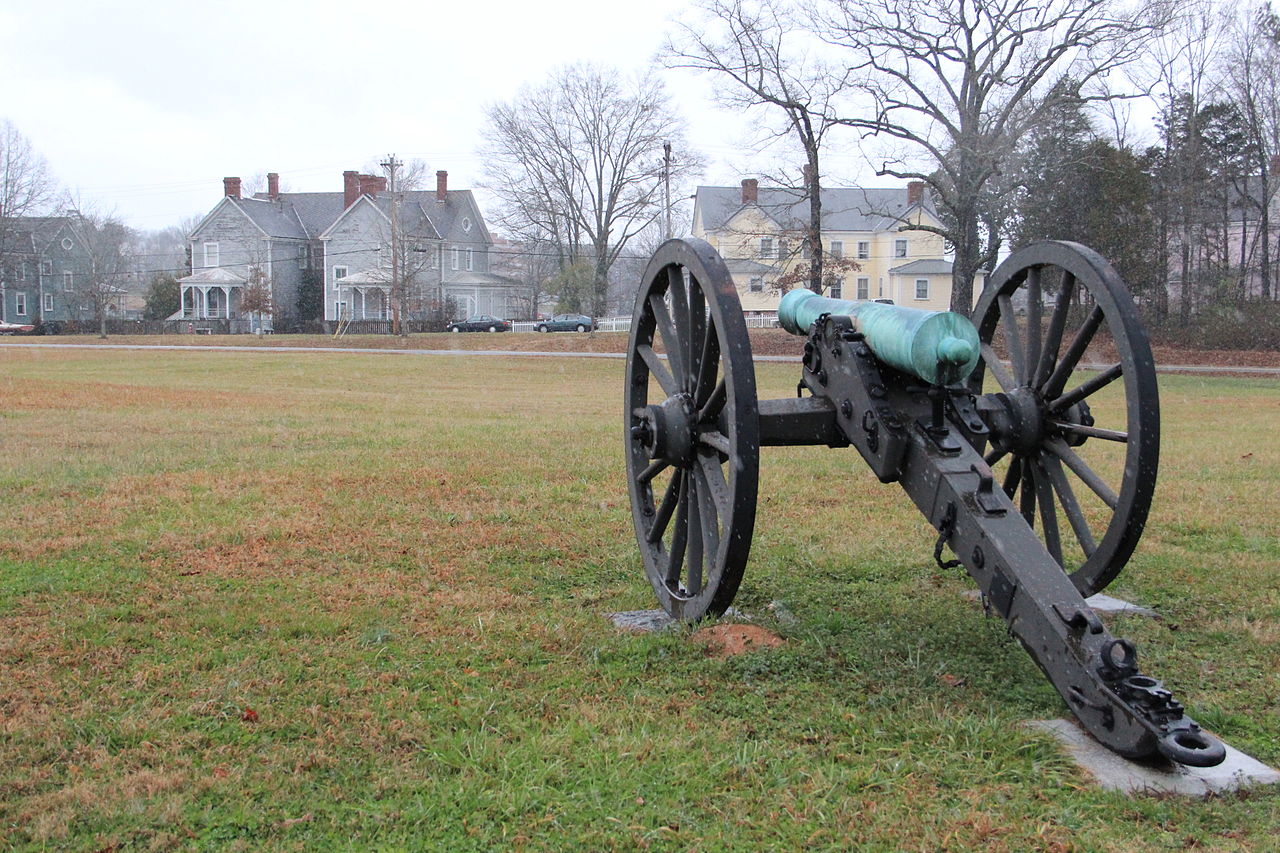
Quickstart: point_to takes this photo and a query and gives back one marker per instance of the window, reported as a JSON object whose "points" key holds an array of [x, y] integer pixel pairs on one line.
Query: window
{"points": [[766, 247], [339, 310], [864, 288], [466, 224], [899, 248], [48, 302], [66, 280], [864, 250], [339, 273], [470, 260], [304, 256], [46, 268], [66, 243], [22, 271], [453, 261], [20, 304], [837, 248], [922, 288], [756, 285], [210, 254], [835, 287]]}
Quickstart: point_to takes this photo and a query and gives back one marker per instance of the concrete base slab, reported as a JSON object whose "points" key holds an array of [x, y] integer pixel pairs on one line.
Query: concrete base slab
{"points": [[1100, 602], [1163, 777], [644, 621]]}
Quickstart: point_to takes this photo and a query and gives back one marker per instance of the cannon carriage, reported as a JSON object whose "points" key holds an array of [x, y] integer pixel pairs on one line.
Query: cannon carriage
{"points": [[979, 422]]}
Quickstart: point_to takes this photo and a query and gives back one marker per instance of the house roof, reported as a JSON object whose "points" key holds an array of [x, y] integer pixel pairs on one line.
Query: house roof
{"points": [[747, 266], [34, 234], [364, 277], [924, 266], [213, 276], [843, 208]]}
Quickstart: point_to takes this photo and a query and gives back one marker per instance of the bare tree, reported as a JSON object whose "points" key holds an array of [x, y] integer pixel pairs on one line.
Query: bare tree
{"points": [[26, 188], [768, 60], [577, 163], [106, 241], [951, 86], [1251, 78]]}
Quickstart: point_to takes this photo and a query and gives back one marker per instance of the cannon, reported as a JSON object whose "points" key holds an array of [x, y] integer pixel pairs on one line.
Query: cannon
{"points": [[984, 423]]}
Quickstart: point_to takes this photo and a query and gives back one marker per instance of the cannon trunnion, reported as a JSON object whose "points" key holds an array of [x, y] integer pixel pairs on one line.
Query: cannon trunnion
{"points": [[988, 468]]}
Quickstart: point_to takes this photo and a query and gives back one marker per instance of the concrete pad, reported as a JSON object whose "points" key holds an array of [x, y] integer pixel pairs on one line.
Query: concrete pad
{"points": [[1104, 603], [1162, 777], [643, 621], [1101, 602]]}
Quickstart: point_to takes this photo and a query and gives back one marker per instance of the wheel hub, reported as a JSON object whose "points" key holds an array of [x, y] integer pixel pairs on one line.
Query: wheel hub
{"points": [[1019, 425], [667, 430]]}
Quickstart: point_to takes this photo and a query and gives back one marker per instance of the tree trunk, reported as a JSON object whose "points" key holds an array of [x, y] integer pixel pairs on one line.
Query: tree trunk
{"points": [[813, 186]]}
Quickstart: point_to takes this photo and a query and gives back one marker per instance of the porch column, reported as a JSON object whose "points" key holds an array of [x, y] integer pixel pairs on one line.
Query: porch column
{"points": [[226, 303]]}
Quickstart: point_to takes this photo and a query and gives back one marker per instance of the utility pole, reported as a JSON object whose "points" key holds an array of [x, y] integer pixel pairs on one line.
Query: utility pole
{"points": [[666, 188], [398, 287]]}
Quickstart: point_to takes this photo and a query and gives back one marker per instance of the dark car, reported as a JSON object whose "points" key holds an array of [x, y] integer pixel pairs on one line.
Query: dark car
{"points": [[568, 323], [479, 323]]}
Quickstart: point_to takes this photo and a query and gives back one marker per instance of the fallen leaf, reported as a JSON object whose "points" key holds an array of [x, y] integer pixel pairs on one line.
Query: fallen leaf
{"points": [[249, 716], [293, 821], [951, 680]]}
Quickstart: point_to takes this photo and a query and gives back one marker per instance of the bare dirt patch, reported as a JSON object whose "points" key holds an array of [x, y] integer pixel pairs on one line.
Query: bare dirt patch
{"points": [[729, 639]]}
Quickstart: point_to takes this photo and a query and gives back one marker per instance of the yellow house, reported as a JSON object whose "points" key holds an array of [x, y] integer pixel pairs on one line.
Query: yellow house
{"points": [[871, 250]]}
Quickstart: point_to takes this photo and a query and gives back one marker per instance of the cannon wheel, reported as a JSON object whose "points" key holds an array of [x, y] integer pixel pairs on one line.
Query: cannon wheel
{"points": [[1108, 442], [692, 430]]}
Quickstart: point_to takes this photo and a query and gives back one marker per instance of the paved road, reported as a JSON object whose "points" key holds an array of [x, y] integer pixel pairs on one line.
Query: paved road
{"points": [[1163, 368]]}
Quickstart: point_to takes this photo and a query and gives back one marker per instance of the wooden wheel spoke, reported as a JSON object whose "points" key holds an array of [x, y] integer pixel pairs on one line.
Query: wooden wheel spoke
{"points": [[1006, 382], [708, 368], [717, 486], [1013, 339], [994, 456], [1048, 514], [678, 293], [1057, 325], [658, 369], [653, 469], [1012, 477], [1034, 319], [717, 440], [700, 332], [1091, 431], [1071, 506], [1027, 500], [663, 516], [667, 329], [711, 408], [1087, 475], [710, 513], [1085, 389], [1084, 336], [696, 550], [675, 557]]}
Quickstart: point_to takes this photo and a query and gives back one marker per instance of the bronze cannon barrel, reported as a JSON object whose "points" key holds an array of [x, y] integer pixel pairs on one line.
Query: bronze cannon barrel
{"points": [[938, 347]]}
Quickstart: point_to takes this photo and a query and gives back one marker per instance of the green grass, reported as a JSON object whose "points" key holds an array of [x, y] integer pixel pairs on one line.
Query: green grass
{"points": [[400, 565]]}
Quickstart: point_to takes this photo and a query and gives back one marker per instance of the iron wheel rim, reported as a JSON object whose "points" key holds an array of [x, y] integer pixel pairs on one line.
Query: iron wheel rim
{"points": [[695, 540], [1105, 548]]}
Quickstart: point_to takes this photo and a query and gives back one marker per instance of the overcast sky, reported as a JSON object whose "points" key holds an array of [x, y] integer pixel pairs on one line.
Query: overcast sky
{"points": [[143, 106]]}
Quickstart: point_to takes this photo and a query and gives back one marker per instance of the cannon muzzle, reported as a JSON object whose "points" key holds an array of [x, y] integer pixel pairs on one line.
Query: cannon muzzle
{"points": [[938, 347]]}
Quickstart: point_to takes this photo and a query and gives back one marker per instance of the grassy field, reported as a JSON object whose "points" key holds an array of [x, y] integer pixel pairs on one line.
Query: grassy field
{"points": [[311, 601]]}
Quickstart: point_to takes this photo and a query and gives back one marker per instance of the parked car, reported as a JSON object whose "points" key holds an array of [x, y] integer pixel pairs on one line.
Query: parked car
{"points": [[480, 323], [568, 323]]}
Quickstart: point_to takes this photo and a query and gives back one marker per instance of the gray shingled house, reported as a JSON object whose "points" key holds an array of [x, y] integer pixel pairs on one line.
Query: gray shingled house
{"points": [[345, 241]]}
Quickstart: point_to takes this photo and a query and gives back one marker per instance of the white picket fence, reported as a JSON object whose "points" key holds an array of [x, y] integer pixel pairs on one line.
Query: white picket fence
{"points": [[623, 324]]}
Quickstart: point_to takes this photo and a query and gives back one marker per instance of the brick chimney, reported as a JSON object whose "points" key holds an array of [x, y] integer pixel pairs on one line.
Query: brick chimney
{"points": [[369, 185], [750, 191], [350, 188], [915, 193], [379, 184], [273, 186], [442, 186], [231, 187]]}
